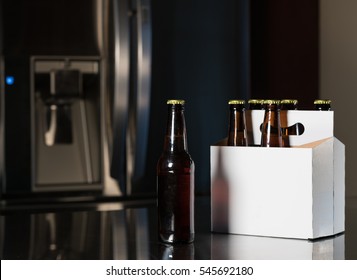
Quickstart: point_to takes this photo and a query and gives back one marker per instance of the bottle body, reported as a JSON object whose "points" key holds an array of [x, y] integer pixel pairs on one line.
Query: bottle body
{"points": [[237, 132], [271, 129], [175, 182]]}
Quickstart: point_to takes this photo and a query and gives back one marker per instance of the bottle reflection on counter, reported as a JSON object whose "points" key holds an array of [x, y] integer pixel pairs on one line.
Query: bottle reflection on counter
{"points": [[177, 251]]}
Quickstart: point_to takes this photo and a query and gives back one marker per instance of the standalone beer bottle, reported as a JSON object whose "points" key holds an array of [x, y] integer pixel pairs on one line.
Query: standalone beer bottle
{"points": [[237, 132], [322, 104], [175, 181], [271, 129]]}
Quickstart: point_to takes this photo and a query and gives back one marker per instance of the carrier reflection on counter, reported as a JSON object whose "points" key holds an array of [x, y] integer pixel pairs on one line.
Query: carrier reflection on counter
{"points": [[118, 231]]}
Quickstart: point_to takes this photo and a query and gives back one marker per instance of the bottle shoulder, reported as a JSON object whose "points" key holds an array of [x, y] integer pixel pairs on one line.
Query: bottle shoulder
{"points": [[175, 156], [175, 161]]}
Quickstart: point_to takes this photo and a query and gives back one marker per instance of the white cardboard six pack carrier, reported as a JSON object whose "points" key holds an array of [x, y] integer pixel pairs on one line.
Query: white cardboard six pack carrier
{"points": [[296, 192]]}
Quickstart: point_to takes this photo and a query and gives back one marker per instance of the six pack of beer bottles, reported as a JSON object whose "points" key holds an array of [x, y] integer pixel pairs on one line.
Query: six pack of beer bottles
{"points": [[274, 129]]}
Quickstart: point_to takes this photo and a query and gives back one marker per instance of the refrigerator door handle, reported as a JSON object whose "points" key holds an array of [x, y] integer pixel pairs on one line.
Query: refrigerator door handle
{"points": [[118, 169], [140, 132]]}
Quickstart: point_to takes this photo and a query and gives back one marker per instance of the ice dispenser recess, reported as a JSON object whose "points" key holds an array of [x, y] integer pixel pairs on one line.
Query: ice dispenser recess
{"points": [[67, 122]]}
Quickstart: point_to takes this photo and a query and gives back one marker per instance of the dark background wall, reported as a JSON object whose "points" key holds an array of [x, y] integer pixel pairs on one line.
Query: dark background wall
{"points": [[200, 53], [208, 52], [285, 50]]}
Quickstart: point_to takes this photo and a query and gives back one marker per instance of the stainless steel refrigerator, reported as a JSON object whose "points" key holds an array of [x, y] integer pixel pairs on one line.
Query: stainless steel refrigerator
{"points": [[84, 85], [74, 97]]}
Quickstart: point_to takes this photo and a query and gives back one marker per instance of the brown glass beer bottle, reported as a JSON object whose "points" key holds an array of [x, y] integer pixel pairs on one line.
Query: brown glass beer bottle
{"points": [[175, 180], [286, 105], [271, 129], [237, 132], [322, 104]]}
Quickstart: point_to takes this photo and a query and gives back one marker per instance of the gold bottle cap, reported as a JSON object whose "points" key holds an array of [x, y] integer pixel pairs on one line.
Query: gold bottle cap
{"points": [[271, 101], [289, 101], [322, 101], [231, 102], [255, 101], [175, 102]]}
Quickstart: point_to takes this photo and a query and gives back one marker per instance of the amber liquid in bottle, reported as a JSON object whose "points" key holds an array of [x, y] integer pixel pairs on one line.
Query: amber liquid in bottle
{"points": [[175, 181], [271, 130]]}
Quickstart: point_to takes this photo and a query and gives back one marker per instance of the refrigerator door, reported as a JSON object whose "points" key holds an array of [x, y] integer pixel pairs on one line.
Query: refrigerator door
{"points": [[41, 42], [129, 61], [140, 93], [117, 101]]}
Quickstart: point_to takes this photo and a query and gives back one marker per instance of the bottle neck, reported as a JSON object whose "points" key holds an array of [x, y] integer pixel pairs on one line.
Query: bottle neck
{"points": [[175, 137], [272, 115], [236, 128], [288, 107], [323, 107], [271, 130]]}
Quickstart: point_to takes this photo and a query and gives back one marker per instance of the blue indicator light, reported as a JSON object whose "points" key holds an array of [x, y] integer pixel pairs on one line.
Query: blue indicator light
{"points": [[9, 80]]}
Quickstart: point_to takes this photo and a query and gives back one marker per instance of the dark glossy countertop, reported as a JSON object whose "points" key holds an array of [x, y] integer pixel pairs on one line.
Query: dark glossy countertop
{"points": [[127, 230]]}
